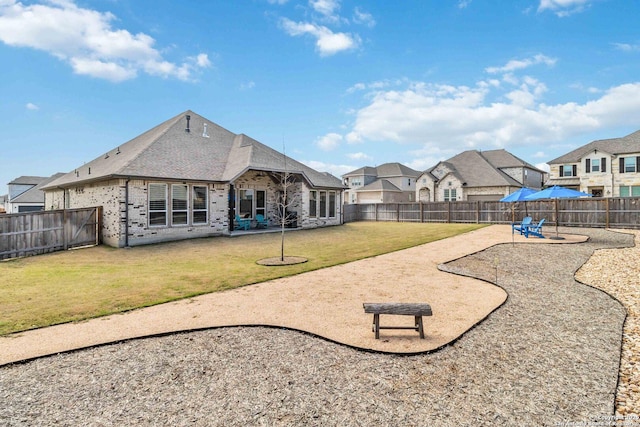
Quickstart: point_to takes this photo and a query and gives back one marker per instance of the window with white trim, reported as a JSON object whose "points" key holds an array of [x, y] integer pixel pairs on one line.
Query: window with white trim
{"points": [[245, 203], [630, 191], [157, 205], [313, 207], [179, 204], [184, 204], [199, 211], [629, 164], [323, 204], [449, 195], [332, 204]]}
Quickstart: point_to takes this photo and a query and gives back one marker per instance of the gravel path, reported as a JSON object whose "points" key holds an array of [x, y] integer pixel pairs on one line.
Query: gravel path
{"points": [[549, 355]]}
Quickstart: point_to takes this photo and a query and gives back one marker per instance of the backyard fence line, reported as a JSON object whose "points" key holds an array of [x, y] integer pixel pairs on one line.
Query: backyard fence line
{"points": [[33, 233], [621, 212]]}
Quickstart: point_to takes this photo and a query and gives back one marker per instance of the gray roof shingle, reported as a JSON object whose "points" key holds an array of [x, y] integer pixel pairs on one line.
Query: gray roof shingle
{"points": [[169, 152], [626, 144], [473, 168]]}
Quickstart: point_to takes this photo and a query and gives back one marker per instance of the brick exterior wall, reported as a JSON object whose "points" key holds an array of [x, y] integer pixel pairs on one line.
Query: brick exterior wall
{"points": [[111, 195]]}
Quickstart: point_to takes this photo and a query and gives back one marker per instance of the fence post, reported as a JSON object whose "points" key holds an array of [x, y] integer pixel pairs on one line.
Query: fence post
{"points": [[65, 229], [448, 212], [421, 212], [397, 212], [98, 225], [606, 218], [376, 205], [478, 212]]}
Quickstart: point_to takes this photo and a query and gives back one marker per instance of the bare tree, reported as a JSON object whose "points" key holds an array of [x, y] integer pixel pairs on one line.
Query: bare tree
{"points": [[286, 199]]}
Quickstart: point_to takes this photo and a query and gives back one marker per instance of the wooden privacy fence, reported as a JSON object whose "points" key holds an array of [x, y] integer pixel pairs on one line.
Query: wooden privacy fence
{"points": [[36, 233], [622, 212]]}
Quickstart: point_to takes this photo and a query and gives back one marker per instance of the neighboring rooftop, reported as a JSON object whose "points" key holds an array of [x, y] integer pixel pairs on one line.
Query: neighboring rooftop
{"points": [[626, 144]]}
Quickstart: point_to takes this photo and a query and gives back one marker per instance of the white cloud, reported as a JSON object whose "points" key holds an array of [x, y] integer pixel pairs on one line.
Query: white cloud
{"points": [[462, 118], [32, 107], [247, 85], [563, 8], [329, 142], [519, 64], [364, 18], [327, 8], [327, 42], [543, 167], [86, 40], [625, 47], [335, 170], [463, 4], [359, 156]]}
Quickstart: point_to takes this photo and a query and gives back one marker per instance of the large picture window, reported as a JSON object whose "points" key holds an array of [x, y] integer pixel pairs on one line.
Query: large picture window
{"points": [[157, 205], [184, 204]]}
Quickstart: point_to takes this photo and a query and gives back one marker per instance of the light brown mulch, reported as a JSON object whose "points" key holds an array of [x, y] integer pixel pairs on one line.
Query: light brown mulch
{"points": [[326, 302]]}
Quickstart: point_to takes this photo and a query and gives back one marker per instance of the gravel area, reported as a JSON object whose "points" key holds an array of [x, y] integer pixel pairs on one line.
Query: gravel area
{"points": [[549, 356], [617, 272]]}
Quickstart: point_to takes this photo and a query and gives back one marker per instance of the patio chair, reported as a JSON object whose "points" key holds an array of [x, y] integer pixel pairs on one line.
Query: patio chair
{"points": [[242, 223], [535, 230], [521, 226], [261, 221]]}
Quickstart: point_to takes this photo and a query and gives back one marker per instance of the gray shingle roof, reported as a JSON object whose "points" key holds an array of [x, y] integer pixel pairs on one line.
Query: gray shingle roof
{"points": [[35, 194], [28, 180], [367, 170], [503, 159], [169, 152], [624, 145], [475, 170], [380, 185], [386, 170]]}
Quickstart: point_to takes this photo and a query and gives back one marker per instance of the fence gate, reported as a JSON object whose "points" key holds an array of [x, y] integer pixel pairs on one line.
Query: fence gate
{"points": [[34, 233]]}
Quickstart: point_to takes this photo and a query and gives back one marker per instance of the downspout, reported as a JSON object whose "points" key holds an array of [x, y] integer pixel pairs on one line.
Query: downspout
{"points": [[126, 213]]}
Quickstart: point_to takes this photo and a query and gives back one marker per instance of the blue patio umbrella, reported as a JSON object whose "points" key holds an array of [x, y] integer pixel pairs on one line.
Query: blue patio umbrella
{"points": [[556, 192], [518, 196]]}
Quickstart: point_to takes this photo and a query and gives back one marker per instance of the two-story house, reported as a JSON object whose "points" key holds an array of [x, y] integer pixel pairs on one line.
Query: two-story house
{"points": [[603, 168], [387, 183], [26, 195], [477, 176]]}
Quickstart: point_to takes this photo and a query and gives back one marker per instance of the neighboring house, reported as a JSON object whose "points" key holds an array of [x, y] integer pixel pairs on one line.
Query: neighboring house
{"points": [[603, 168], [387, 183], [188, 178], [477, 176], [26, 195], [3, 203]]}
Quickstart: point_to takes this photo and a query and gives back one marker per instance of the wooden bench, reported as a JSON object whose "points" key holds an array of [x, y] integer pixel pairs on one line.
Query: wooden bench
{"points": [[404, 309]]}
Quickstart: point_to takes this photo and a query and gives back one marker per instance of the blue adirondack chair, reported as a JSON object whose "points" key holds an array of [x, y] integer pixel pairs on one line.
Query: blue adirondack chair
{"points": [[261, 221], [242, 223], [534, 230], [521, 227]]}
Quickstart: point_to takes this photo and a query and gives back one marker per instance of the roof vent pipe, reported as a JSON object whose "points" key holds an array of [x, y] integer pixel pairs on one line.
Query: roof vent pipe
{"points": [[188, 118]]}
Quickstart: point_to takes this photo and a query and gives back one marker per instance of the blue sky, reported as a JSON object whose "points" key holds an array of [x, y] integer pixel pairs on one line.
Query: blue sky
{"points": [[339, 84]]}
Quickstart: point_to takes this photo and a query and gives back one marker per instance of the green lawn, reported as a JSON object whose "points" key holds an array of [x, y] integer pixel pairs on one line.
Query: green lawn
{"points": [[85, 283]]}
